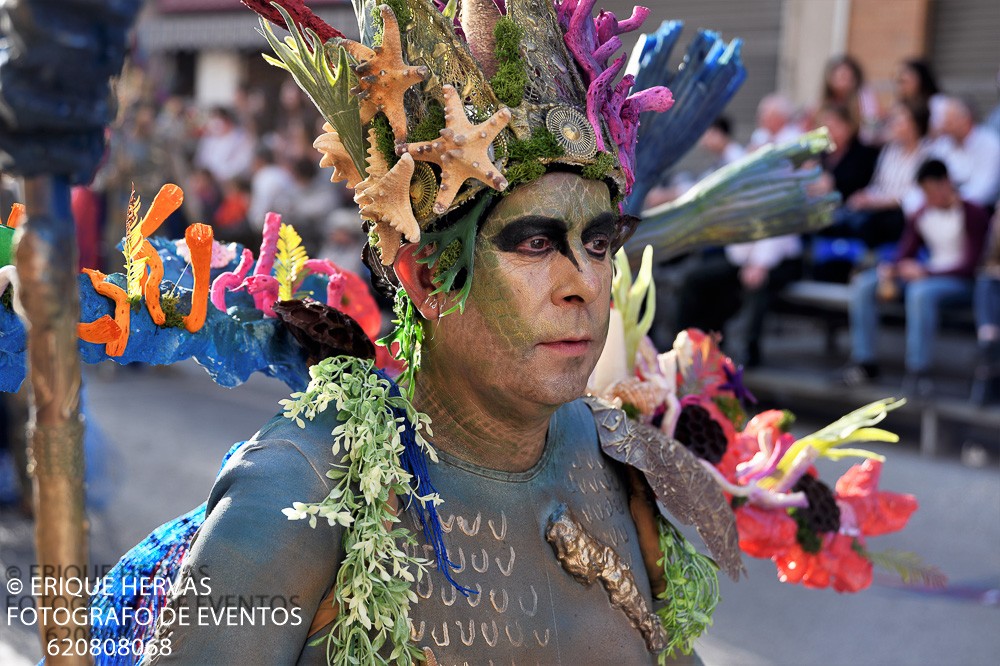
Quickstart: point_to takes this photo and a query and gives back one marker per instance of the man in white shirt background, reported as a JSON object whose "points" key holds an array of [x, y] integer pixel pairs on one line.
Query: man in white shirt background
{"points": [[951, 232], [971, 153], [743, 278]]}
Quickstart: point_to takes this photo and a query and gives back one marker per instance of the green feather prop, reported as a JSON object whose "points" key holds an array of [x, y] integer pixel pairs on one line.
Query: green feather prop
{"points": [[135, 268], [767, 193], [289, 261]]}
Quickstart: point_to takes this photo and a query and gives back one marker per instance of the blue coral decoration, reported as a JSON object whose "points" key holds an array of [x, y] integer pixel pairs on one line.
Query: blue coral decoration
{"points": [[710, 74], [13, 350], [231, 346]]}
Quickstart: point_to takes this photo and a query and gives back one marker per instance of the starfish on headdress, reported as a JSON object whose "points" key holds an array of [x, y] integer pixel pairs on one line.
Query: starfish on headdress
{"points": [[383, 75], [462, 150], [388, 200], [389, 238], [335, 155]]}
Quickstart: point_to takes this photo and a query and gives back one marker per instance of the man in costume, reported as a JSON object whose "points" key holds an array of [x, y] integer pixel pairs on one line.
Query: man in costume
{"points": [[547, 549], [488, 164]]}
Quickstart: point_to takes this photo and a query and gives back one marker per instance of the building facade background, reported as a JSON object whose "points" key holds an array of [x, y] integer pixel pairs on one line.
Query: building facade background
{"points": [[207, 49]]}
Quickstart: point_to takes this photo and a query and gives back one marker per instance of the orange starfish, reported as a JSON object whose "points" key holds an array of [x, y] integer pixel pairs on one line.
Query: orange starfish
{"points": [[389, 239], [335, 155], [383, 76], [462, 150]]}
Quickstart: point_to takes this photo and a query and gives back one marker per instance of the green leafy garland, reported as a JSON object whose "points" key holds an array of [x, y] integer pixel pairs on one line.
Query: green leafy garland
{"points": [[692, 591], [373, 588], [408, 335]]}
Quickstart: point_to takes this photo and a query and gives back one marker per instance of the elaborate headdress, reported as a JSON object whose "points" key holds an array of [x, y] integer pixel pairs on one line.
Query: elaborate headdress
{"points": [[437, 105]]}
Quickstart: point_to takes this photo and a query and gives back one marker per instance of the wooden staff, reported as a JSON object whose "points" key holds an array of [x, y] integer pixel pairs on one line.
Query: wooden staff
{"points": [[46, 259]]}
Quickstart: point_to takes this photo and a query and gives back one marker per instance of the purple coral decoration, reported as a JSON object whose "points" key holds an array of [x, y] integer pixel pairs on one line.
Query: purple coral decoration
{"points": [[593, 41]]}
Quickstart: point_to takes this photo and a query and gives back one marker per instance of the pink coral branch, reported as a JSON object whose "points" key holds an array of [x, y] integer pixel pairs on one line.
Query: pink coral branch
{"points": [[268, 248], [581, 39], [230, 280], [264, 289], [597, 97], [337, 281], [606, 50], [657, 98]]}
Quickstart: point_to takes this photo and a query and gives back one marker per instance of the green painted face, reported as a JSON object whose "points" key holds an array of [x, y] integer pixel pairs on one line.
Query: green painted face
{"points": [[537, 317]]}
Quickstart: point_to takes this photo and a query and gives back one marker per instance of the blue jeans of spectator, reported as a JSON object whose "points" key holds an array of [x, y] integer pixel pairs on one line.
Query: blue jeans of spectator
{"points": [[986, 301], [922, 300]]}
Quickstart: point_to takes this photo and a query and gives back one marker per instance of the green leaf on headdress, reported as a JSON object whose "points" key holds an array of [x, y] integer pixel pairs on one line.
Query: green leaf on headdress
{"points": [[446, 273], [324, 73]]}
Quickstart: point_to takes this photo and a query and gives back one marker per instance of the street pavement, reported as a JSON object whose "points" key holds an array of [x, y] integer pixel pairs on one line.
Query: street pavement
{"points": [[164, 431]]}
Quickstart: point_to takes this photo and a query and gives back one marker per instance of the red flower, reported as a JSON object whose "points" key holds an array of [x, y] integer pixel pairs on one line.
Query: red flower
{"points": [[866, 511], [837, 564], [876, 512], [764, 532]]}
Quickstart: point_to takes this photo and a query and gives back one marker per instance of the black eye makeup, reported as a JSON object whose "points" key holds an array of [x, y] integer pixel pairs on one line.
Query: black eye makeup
{"points": [[514, 235], [538, 235]]}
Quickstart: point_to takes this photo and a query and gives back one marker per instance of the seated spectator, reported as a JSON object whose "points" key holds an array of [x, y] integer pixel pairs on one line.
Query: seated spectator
{"points": [[971, 153], [844, 84], [876, 214], [915, 82], [747, 276], [986, 382], [951, 231], [309, 203], [225, 149], [717, 142], [774, 122], [203, 194], [849, 167], [267, 187], [230, 219]]}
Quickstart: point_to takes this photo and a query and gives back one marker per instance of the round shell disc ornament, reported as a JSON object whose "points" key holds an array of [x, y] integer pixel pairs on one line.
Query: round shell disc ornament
{"points": [[573, 131]]}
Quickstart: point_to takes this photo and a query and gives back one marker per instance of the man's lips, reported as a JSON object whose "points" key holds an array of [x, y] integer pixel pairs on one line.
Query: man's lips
{"points": [[567, 346]]}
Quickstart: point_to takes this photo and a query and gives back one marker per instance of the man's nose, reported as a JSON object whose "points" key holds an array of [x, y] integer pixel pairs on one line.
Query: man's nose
{"points": [[578, 278]]}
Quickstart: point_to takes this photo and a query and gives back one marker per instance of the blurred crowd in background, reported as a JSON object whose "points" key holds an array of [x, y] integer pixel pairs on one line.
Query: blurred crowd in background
{"points": [[235, 164], [919, 179]]}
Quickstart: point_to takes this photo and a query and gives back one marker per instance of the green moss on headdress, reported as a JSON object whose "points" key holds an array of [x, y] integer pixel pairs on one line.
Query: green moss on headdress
{"points": [[511, 78], [602, 167], [401, 10], [430, 126], [384, 139], [523, 164]]}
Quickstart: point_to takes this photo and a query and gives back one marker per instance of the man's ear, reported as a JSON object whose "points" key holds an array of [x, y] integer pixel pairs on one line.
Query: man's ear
{"points": [[416, 279]]}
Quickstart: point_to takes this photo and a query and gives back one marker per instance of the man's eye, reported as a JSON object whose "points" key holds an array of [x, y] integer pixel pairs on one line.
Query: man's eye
{"points": [[599, 246], [535, 245]]}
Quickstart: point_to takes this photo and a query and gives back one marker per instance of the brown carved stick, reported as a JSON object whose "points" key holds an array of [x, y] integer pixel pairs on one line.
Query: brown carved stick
{"points": [[49, 301]]}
